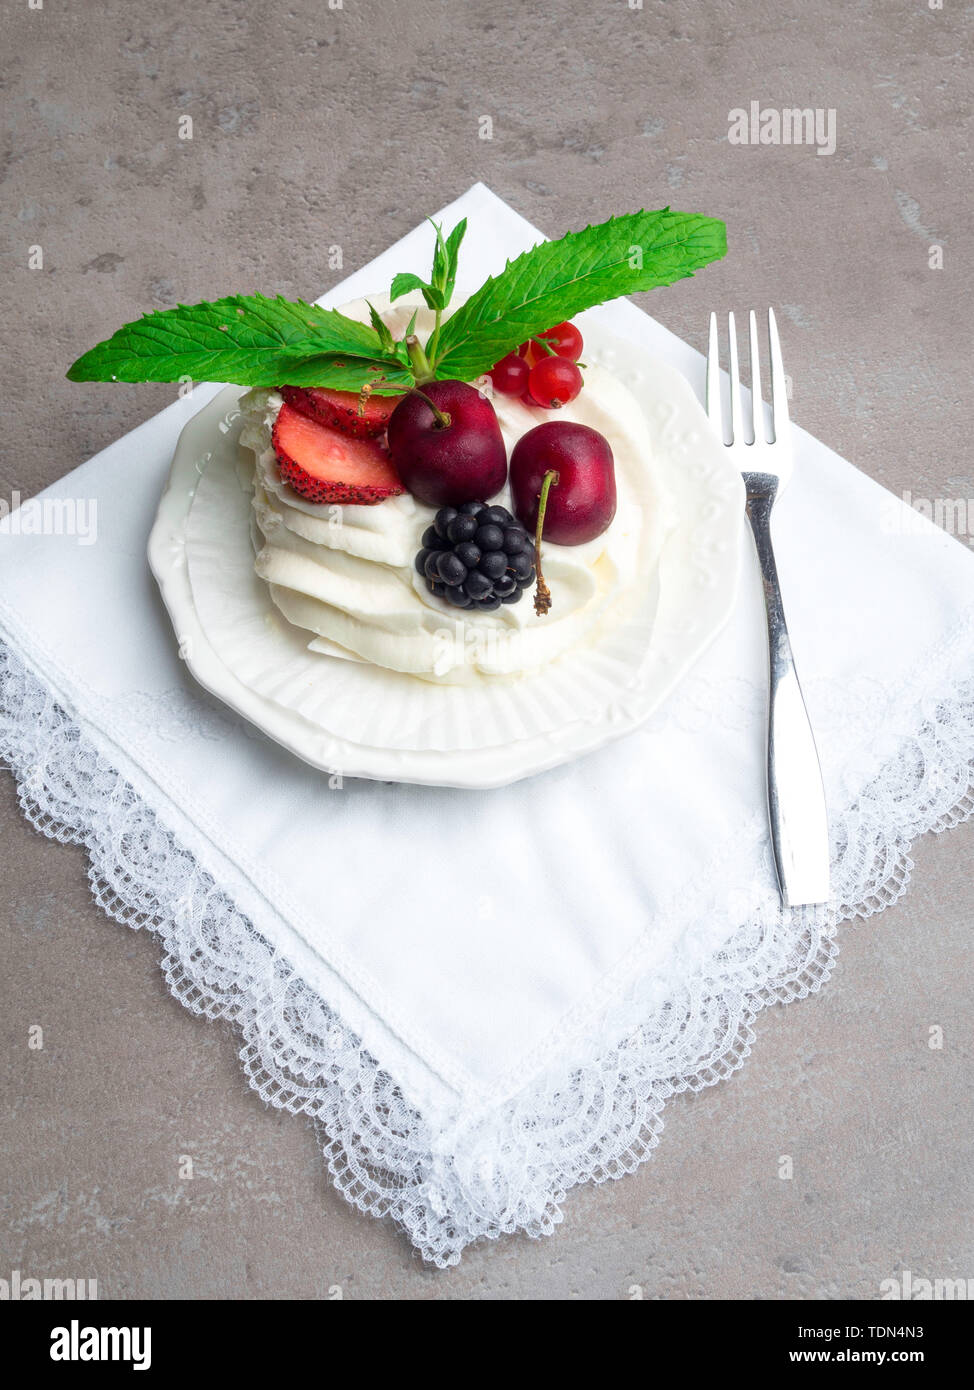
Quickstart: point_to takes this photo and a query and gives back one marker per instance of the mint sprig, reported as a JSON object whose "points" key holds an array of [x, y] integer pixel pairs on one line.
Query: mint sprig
{"points": [[252, 340], [438, 290], [559, 279]]}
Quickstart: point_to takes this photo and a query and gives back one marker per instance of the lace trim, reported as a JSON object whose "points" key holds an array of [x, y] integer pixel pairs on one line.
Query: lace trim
{"points": [[509, 1169]]}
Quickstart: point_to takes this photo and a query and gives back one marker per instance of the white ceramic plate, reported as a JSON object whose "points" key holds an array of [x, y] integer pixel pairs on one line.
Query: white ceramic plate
{"points": [[350, 717]]}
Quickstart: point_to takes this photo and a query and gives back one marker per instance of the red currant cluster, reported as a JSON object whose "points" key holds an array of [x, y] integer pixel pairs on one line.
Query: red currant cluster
{"points": [[544, 371]]}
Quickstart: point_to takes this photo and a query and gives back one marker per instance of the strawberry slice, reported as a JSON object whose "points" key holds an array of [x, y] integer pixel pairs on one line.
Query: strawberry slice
{"points": [[323, 465], [343, 410]]}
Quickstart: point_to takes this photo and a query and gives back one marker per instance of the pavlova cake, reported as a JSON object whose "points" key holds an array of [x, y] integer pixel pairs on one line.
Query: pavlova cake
{"points": [[420, 467], [378, 520]]}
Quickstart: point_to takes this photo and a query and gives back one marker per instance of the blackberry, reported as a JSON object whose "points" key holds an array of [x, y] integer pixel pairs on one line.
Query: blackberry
{"points": [[476, 556]]}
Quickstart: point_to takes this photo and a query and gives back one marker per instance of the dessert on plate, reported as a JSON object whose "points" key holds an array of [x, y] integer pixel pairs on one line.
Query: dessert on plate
{"points": [[375, 569], [449, 493]]}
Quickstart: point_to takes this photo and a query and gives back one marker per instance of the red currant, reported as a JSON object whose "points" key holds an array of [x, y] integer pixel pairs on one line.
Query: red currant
{"points": [[564, 338], [554, 381], [510, 375]]}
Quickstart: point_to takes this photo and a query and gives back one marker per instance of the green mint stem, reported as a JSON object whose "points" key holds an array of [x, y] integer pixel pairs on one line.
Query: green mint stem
{"points": [[419, 360], [434, 341]]}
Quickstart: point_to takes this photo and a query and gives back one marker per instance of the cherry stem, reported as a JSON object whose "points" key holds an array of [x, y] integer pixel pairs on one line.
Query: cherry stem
{"points": [[546, 345], [542, 594], [442, 418], [376, 384]]}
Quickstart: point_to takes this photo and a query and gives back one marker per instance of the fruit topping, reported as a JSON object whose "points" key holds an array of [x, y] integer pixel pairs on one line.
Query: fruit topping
{"points": [[582, 502], [476, 556], [447, 445], [564, 339], [323, 465], [553, 382], [510, 376], [543, 372], [361, 415]]}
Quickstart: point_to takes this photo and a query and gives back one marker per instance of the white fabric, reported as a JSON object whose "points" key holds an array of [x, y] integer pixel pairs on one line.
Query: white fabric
{"points": [[485, 998]]}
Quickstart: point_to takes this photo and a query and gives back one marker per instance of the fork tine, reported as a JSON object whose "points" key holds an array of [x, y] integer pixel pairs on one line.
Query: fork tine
{"points": [[779, 394], [757, 401], [713, 379], [737, 417]]}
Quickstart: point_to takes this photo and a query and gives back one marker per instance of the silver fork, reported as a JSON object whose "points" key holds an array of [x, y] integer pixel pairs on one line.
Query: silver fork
{"points": [[796, 797]]}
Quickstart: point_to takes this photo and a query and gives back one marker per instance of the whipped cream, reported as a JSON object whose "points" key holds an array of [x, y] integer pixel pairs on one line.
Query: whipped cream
{"points": [[346, 574]]}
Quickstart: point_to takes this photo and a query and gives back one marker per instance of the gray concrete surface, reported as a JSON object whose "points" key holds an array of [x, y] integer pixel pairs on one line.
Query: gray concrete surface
{"points": [[315, 126]]}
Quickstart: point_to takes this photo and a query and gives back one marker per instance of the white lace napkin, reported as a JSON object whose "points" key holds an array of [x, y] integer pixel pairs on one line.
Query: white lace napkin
{"points": [[487, 997]]}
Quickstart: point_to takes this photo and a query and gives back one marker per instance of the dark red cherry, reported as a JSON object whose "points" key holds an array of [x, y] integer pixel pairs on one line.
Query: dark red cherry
{"points": [[582, 501], [450, 451]]}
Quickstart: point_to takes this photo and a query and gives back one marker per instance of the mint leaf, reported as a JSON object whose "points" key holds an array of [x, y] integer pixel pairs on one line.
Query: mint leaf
{"points": [[382, 328], [439, 291], [558, 279], [452, 251], [404, 283], [246, 339], [345, 374], [440, 265], [435, 298]]}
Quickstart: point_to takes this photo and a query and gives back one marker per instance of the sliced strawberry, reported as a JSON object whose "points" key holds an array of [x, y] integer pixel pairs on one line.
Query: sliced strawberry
{"points": [[325, 466], [343, 410]]}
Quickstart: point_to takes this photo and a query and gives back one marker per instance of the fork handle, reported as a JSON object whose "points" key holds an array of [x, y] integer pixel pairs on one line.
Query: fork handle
{"points": [[796, 796]]}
